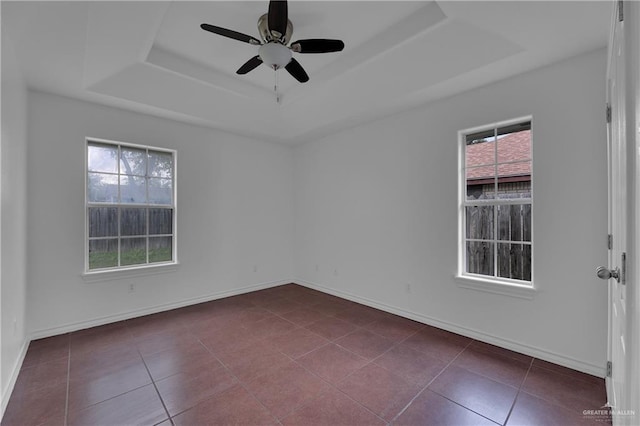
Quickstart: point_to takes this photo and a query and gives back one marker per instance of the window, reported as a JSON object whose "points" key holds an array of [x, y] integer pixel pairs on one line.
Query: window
{"points": [[496, 202], [130, 206]]}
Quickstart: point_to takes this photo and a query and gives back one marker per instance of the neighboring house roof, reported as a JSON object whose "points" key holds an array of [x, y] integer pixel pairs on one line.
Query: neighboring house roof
{"points": [[512, 147]]}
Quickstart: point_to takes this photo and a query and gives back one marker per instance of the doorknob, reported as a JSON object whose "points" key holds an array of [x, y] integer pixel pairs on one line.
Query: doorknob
{"points": [[605, 273]]}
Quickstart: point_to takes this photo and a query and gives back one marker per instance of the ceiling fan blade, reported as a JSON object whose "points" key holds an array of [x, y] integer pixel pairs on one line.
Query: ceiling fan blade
{"points": [[230, 33], [277, 17], [317, 45], [249, 65], [296, 70]]}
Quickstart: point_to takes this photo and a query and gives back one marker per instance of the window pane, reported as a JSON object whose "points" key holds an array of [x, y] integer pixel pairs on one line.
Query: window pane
{"points": [[102, 188], [514, 190], [514, 261], [102, 158], [133, 190], [514, 222], [514, 146], [480, 257], [504, 222], [103, 222], [133, 221], [526, 262], [103, 253], [160, 249], [133, 161], [133, 251], [160, 164], [160, 221], [479, 222], [526, 222], [160, 191], [513, 128], [481, 183], [514, 180], [480, 152]]}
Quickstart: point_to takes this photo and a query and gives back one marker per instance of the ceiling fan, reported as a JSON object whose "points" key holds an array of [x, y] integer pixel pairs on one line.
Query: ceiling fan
{"points": [[275, 29]]}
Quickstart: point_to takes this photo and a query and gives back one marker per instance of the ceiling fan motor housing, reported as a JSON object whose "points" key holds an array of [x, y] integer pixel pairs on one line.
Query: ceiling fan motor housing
{"points": [[265, 33]]}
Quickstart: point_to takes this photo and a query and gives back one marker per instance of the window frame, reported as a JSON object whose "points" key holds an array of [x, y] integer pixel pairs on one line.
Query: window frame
{"points": [[491, 283], [127, 271]]}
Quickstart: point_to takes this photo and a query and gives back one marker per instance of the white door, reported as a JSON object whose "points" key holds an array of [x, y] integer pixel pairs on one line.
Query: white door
{"points": [[615, 272]]}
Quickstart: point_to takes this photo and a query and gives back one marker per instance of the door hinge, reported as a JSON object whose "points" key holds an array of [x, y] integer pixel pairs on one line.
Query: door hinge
{"points": [[620, 10], [608, 113], [609, 368], [623, 268], [610, 241]]}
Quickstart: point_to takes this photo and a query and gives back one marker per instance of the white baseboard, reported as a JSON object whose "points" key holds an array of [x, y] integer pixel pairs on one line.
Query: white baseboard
{"points": [[575, 364], [81, 325], [542, 354], [6, 392]]}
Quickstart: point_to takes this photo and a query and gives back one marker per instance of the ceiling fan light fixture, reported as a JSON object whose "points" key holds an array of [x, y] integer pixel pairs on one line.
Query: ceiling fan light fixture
{"points": [[275, 55]]}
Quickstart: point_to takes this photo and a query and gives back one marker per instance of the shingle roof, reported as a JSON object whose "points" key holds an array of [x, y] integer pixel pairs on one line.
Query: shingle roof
{"points": [[512, 147]]}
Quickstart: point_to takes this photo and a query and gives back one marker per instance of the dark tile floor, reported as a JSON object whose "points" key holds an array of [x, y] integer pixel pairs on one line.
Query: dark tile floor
{"points": [[291, 356]]}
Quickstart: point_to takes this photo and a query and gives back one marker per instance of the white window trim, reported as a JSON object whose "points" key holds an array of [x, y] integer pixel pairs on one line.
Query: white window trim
{"points": [[490, 285], [485, 283], [122, 272]]}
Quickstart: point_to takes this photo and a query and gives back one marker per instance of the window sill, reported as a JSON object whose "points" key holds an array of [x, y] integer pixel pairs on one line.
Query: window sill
{"points": [[496, 287], [120, 274]]}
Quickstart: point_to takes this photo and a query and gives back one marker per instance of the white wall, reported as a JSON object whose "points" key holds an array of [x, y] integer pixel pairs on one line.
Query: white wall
{"points": [[13, 227], [376, 209], [234, 212]]}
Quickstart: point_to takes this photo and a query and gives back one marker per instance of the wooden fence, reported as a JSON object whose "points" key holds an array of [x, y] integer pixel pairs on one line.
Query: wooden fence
{"points": [[513, 243]]}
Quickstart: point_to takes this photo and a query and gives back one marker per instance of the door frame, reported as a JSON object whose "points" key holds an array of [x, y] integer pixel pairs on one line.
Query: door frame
{"points": [[617, 214], [632, 51], [629, 414]]}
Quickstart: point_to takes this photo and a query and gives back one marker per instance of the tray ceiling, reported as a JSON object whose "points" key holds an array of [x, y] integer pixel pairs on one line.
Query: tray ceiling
{"points": [[152, 57]]}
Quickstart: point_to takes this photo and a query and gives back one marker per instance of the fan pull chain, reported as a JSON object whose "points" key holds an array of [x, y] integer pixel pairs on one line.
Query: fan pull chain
{"points": [[275, 87]]}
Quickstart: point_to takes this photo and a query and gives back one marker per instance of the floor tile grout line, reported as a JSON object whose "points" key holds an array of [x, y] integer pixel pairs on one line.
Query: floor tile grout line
{"points": [[166, 410], [543, 397], [420, 392], [314, 374], [462, 406], [113, 397], [465, 407], [239, 382], [395, 345], [498, 380], [372, 360], [494, 380], [399, 341], [361, 404], [515, 400], [331, 385], [66, 399]]}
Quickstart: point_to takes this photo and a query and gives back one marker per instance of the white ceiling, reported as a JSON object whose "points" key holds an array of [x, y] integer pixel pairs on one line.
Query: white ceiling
{"points": [[152, 57]]}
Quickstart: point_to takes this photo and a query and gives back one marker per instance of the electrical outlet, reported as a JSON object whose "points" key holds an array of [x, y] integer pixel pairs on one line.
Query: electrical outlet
{"points": [[408, 288], [335, 272], [132, 288], [255, 268]]}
